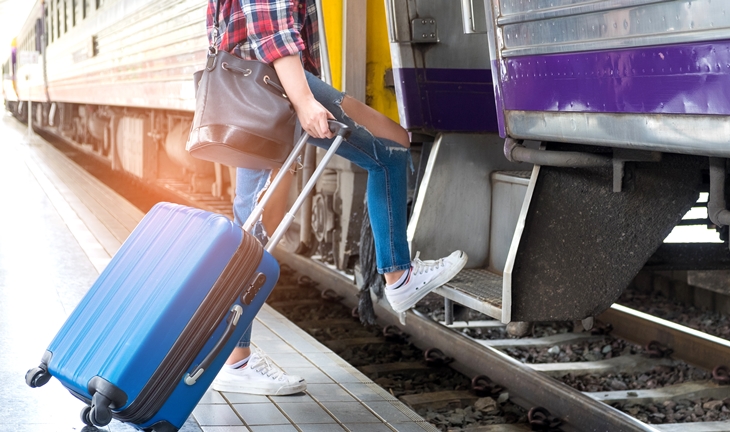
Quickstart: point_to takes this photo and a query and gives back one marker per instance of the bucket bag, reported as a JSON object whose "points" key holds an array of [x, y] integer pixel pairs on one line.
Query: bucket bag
{"points": [[242, 115]]}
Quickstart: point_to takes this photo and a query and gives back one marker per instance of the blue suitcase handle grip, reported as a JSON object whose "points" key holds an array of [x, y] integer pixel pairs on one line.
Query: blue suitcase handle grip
{"points": [[192, 377]]}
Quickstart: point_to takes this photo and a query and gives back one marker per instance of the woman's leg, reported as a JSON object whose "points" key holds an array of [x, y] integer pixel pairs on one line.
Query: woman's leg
{"points": [[386, 161], [381, 147], [247, 371]]}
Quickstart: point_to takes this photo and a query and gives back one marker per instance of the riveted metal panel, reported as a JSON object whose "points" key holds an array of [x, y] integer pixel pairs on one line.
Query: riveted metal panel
{"points": [[570, 28], [529, 10], [701, 135]]}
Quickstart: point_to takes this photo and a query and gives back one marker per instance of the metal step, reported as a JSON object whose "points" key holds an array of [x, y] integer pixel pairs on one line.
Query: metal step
{"points": [[483, 289], [478, 289], [469, 172]]}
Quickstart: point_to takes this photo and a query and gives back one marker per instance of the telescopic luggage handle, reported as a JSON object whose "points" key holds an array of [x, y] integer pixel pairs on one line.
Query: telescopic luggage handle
{"points": [[343, 132]]}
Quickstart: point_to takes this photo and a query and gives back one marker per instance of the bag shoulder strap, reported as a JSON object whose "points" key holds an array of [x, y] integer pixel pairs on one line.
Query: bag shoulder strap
{"points": [[216, 26]]}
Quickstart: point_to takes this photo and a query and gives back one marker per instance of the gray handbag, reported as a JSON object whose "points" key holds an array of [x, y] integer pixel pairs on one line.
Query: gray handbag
{"points": [[242, 115]]}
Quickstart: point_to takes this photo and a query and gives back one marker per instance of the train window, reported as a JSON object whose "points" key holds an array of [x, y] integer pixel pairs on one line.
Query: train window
{"points": [[49, 22], [84, 8], [99, 3], [73, 13], [65, 16], [58, 19], [38, 35], [47, 15]]}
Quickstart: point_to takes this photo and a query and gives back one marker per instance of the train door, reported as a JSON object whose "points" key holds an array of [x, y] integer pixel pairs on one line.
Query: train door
{"points": [[469, 195]]}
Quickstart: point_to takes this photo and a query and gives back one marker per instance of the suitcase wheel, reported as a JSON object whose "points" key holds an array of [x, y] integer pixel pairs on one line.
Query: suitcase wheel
{"points": [[37, 377], [85, 411], [100, 413]]}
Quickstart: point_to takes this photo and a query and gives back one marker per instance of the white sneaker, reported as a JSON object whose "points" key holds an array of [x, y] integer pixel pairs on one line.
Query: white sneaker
{"points": [[425, 277], [260, 376]]}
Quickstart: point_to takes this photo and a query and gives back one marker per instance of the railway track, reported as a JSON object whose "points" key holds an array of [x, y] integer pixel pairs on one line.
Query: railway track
{"points": [[535, 385], [457, 381]]}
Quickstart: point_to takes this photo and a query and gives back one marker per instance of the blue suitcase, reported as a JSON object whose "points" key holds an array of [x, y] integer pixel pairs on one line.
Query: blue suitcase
{"points": [[149, 337]]}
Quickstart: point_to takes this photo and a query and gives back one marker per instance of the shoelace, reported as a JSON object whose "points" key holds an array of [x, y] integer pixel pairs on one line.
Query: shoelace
{"points": [[264, 366], [420, 267]]}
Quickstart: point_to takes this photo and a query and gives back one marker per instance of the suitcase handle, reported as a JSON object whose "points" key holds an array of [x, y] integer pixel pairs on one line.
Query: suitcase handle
{"points": [[343, 132], [192, 377]]}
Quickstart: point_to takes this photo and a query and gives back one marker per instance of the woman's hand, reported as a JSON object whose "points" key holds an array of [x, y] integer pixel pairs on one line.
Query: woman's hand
{"points": [[313, 118], [312, 115]]}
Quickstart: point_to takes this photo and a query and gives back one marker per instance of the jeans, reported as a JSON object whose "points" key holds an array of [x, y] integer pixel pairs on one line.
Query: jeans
{"points": [[386, 162], [249, 185]]}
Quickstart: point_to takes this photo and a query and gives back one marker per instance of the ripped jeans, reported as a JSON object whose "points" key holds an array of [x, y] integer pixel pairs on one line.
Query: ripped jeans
{"points": [[386, 162]]}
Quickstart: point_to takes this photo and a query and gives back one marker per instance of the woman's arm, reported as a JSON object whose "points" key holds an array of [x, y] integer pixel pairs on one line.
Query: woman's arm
{"points": [[312, 115]]}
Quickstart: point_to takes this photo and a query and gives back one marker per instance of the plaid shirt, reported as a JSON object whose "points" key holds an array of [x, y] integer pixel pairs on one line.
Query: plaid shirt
{"points": [[267, 30]]}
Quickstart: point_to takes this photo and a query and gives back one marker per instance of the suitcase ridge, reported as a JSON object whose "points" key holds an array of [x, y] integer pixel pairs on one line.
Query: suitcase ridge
{"points": [[214, 238], [96, 306], [201, 327]]}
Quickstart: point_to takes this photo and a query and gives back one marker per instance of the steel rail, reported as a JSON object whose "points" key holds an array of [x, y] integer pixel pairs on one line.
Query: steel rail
{"points": [[527, 387], [692, 346]]}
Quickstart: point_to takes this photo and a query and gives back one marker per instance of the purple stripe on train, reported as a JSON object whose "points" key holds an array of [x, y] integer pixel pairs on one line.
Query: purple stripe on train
{"points": [[678, 79], [446, 100]]}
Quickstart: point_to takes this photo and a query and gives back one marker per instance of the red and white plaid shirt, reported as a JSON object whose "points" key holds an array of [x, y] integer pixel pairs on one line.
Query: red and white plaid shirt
{"points": [[267, 30]]}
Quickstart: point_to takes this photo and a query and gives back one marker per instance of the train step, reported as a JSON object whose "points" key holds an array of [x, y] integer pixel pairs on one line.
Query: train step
{"points": [[497, 198]]}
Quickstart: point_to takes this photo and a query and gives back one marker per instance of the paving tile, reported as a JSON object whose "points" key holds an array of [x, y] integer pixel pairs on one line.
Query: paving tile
{"points": [[274, 346], [302, 413], [277, 428], [351, 412], [343, 375], [321, 428], [389, 412], [415, 427], [212, 397], [236, 398], [327, 358], [225, 429], [261, 414], [216, 415], [306, 347], [368, 427], [367, 392], [116, 426], [275, 324], [190, 425], [261, 332], [297, 398], [269, 312], [290, 360], [312, 375], [329, 392]]}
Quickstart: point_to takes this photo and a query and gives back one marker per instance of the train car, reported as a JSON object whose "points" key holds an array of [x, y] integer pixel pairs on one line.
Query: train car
{"points": [[10, 95], [624, 102], [556, 142], [29, 78]]}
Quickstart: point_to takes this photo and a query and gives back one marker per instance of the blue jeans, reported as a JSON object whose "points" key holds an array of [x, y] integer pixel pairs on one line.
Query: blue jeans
{"points": [[387, 165]]}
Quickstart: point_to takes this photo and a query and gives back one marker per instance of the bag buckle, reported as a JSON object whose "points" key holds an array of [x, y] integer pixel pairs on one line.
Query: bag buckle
{"points": [[210, 64]]}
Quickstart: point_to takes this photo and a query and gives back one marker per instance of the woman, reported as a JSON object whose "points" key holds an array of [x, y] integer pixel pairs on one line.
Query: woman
{"points": [[283, 33]]}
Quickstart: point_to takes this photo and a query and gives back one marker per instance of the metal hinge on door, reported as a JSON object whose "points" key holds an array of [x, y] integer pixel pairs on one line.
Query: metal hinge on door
{"points": [[424, 30]]}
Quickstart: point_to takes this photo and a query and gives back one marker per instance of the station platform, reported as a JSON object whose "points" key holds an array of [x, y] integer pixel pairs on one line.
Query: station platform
{"points": [[59, 227]]}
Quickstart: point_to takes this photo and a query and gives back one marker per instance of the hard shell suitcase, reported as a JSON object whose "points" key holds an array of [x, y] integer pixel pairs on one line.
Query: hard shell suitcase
{"points": [[149, 337]]}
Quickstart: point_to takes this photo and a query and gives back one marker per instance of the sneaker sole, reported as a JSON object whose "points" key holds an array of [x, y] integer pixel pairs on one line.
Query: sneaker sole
{"points": [[282, 391], [421, 293]]}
